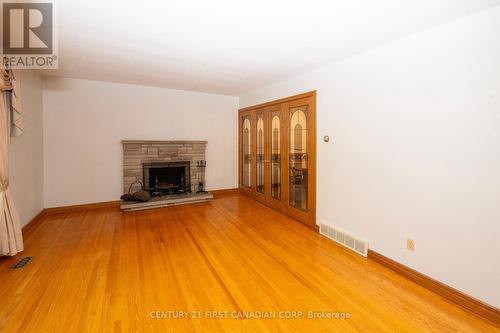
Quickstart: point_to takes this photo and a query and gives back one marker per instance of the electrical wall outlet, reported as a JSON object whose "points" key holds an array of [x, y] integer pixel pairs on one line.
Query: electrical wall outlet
{"points": [[410, 244]]}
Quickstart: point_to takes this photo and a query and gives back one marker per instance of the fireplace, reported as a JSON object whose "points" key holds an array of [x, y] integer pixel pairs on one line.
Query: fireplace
{"points": [[161, 178]]}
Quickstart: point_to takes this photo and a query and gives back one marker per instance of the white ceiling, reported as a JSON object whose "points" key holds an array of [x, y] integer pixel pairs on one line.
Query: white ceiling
{"points": [[230, 46]]}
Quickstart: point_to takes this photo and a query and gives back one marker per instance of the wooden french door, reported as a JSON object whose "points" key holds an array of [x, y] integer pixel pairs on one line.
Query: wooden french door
{"points": [[269, 156], [278, 155], [276, 158], [300, 154], [246, 152], [261, 155]]}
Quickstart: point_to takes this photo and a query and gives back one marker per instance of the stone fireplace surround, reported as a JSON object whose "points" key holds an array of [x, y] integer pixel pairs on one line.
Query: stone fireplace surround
{"points": [[137, 152]]}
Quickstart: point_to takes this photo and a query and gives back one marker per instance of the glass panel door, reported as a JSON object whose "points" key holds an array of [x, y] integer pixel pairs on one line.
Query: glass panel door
{"points": [[277, 152], [298, 157], [276, 155], [246, 148], [260, 154]]}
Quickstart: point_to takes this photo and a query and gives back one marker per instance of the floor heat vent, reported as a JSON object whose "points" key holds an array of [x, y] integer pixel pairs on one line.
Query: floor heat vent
{"points": [[22, 262], [357, 245]]}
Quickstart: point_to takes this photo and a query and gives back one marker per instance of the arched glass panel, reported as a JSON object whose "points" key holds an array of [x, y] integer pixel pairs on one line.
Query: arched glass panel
{"points": [[247, 153], [298, 156], [260, 153], [276, 155]]}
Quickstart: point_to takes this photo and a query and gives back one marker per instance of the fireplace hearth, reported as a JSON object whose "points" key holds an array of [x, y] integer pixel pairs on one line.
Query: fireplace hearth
{"points": [[169, 170]]}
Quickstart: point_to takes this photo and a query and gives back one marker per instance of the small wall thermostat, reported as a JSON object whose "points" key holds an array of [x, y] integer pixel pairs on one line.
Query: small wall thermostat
{"points": [[326, 138]]}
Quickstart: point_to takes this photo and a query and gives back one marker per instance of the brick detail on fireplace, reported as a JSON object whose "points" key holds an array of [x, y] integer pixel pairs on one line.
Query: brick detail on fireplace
{"points": [[135, 153]]}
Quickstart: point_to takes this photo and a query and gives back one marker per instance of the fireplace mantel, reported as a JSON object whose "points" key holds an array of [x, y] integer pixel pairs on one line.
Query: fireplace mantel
{"points": [[131, 142]]}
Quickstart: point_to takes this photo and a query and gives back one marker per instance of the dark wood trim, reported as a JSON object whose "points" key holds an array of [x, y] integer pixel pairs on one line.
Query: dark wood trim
{"points": [[240, 150], [281, 100], [34, 220], [224, 192], [28, 228], [77, 208], [470, 303], [98, 205], [31, 225]]}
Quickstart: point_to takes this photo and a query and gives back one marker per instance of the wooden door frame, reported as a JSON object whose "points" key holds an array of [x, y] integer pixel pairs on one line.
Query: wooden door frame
{"points": [[311, 219]]}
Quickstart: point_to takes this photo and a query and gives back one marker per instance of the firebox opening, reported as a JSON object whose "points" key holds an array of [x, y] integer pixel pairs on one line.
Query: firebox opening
{"points": [[161, 178]]}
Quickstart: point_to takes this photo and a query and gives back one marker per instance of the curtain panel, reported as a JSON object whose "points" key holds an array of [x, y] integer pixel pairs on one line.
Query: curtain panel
{"points": [[11, 241]]}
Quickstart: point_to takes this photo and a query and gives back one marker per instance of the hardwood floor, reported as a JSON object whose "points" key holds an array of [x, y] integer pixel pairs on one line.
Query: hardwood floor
{"points": [[107, 271]]}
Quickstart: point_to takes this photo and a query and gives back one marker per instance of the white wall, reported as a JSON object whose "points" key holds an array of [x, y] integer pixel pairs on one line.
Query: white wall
{"points": [[415, 150], [85, 121], [26, 151]]}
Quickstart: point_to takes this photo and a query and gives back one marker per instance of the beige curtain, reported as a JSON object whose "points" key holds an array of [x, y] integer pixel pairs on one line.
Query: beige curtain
{"points": [[16, 121], [11, 241]]}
